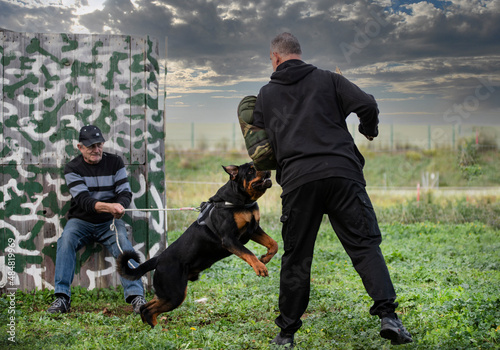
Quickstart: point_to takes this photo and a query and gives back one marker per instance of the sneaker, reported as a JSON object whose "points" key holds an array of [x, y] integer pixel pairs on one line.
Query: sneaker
{"points": [[392, 328], [137, 302], [283, 339], [61, 304]]}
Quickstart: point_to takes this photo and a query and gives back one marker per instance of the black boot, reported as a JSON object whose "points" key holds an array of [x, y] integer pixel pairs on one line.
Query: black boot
{"points": [[283, 339], [392, 328], [60, 305]]}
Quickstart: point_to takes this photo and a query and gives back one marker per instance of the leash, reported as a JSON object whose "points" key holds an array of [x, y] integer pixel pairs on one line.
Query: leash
{"points": [[165, 209], [112, 227]]}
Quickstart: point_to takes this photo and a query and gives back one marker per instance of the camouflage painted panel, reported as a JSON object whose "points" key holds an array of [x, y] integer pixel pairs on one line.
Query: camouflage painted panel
{"points": [[51, 85], [256, 140]]}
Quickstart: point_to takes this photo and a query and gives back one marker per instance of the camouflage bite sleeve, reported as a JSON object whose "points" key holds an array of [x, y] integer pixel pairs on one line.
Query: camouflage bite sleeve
{"points": [[256, 141]]}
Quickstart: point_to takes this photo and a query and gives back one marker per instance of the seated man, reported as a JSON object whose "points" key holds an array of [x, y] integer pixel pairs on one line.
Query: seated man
{"points": [[100, 193]]}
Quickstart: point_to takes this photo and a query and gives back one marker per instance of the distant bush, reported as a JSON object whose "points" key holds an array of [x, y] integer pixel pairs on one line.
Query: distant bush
{"points": [[468, 159], [413, 156], [449, 211], [430, 152], [487, 139]]}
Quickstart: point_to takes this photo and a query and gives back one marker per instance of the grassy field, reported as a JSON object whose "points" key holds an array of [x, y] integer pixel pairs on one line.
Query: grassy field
{"points": [[382, 169], [447, 278], [443, 255], [194, 177]]}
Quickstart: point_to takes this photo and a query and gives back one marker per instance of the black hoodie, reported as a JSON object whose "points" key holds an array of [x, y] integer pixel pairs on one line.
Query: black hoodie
{"points": [[303, 110]]}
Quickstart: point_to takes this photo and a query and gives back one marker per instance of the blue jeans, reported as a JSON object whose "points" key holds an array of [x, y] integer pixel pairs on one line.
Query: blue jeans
{"points": [[77, 234]]}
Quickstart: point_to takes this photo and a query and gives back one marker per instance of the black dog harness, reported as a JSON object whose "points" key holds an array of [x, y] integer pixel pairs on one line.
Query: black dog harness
{"points": [[207, 208]]}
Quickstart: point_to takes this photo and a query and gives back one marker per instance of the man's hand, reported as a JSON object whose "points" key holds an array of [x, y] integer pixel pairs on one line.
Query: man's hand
{"points": [[361, 129], [115, 209]]}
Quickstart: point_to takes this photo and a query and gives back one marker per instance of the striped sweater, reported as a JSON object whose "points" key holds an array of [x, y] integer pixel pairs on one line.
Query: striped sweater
{"points": [[91, 183]]}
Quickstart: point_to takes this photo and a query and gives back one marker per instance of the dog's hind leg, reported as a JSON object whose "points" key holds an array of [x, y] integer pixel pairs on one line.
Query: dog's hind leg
{"points": [[157, 306], [170, 283]]}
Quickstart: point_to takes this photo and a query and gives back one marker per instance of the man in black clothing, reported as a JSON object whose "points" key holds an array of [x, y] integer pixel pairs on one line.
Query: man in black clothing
{"points": [[100, 192], [320, 169]]}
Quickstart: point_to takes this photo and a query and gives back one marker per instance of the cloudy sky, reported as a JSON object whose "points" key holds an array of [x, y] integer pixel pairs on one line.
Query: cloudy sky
{"points": [[424, 61]]}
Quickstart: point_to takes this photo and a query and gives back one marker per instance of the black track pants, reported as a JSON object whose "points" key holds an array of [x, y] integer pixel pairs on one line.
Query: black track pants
{"points": [[352, 217]]}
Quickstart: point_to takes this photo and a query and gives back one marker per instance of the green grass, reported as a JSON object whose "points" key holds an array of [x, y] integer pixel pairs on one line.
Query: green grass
{"points": [[446, 276], [391, 169], [195, 177], [442, 255]]}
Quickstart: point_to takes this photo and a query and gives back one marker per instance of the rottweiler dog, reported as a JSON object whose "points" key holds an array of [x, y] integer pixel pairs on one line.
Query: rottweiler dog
{"points": [[227, 221]]}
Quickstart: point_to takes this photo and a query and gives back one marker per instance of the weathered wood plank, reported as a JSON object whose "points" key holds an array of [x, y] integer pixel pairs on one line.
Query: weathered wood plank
{"points": [[19, 81], [137, 100], [52, 85]]}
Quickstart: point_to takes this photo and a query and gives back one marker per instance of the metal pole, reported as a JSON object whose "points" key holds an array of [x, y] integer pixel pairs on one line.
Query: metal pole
{"points": [[392, 136], [429, 136], [165, 127], [192, 135], [453, 137]]}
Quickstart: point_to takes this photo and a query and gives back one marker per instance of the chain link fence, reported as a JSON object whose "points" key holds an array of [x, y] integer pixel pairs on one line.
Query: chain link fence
{"points": [[392, 137]]}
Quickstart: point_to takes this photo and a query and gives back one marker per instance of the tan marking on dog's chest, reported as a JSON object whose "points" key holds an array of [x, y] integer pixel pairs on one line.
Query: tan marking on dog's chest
{"points": [[244, 218]]}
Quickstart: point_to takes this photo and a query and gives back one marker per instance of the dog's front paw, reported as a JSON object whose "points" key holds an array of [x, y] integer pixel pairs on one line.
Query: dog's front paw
{"points": [[260, 269], [266, 258]]}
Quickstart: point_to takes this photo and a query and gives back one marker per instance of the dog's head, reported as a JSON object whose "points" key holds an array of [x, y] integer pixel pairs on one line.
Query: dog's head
{"points": [[250, 180]]}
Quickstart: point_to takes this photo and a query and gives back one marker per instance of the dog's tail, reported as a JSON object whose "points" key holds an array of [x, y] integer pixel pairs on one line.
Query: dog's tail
{"points": [[130, 273]]}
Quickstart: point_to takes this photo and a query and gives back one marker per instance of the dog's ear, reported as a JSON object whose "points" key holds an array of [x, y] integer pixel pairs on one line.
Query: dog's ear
{"points": [[231, 170]]}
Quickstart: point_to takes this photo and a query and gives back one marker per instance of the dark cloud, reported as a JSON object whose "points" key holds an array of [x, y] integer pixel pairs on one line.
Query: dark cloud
{"points": [[422, 48], [34, 20], [196, 33]]}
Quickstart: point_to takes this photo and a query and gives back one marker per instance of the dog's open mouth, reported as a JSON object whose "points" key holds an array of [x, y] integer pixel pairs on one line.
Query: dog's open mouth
{"points": [[262, 184]]}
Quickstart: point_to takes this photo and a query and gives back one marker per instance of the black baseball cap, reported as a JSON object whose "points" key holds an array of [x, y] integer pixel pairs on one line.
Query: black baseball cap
{"points": [[90, 134]]}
